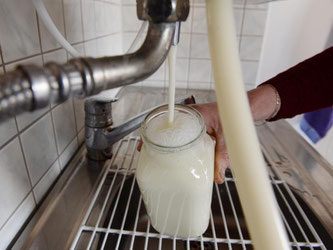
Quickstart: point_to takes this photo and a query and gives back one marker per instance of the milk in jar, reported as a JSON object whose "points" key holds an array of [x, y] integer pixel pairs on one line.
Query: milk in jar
{"points": [[175, 171]]}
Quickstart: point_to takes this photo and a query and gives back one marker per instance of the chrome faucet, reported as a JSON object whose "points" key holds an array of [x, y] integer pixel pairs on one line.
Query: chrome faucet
{"points": [[100, 134], [30, 87]]}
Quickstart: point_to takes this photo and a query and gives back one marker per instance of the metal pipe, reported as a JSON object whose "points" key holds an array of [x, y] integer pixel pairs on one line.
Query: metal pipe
{"points": [[30, 87]]}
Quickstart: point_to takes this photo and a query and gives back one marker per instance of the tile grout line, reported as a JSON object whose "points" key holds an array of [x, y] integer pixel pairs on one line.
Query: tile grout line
{"points": [[1, 57], [241, 29], [82, 27], [75, 120], [15, 210], [58, 49], [54, 133], [25, 161], [63, 19]]}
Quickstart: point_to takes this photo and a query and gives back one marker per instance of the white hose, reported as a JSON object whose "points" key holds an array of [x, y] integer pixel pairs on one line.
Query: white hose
{"points": [[45, 17]]}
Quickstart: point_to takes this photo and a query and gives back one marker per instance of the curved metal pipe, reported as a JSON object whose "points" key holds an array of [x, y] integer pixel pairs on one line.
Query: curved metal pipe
{"points": [[30, 87]]}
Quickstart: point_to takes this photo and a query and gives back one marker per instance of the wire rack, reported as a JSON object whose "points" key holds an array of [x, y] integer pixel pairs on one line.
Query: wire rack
{"points": [[116, 217]]}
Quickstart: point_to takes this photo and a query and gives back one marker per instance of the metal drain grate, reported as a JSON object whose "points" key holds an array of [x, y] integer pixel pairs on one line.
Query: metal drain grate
{"points": [[116, 217]]}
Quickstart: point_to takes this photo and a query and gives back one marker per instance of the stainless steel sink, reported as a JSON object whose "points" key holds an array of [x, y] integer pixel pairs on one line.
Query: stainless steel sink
{"points": [[100, 207], [118, 219]]}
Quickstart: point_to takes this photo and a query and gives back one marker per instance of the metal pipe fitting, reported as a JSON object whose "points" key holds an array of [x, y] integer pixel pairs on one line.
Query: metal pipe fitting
{"points": [[31, 87], [163, 10]]}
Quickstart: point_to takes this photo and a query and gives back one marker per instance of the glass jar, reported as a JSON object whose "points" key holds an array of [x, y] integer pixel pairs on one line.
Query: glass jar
{"points": [[176, 181]]}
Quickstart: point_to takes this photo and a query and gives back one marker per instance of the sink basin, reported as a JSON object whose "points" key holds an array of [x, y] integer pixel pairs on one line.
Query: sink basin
{"points": [[118, 220]]}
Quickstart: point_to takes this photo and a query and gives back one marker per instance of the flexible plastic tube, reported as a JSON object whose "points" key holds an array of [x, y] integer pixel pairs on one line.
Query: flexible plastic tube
{"points": [[253, 185], [44, 15]]}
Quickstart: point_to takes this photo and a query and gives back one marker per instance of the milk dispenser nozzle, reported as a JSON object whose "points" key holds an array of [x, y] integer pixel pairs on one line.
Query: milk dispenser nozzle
{"points": [[31, 87]]}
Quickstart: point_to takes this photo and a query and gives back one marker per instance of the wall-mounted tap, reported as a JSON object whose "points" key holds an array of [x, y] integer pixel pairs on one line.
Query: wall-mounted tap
{"points": [[100, 134], [30, 87]]}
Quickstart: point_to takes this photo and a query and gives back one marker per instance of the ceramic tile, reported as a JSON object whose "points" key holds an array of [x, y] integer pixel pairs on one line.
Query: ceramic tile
{"points": [[183, 49], [200, 46], [90, 48], [25, 119], [81, 136], [37, 60], [16, 221], [58, 56], [108, 18], [55, 10], [199, 85], [64, 124], [114, 18], [249, 71], [156, 84], [238, 3], [14, 181], [238, 17], [89, 21], [250, 47], [182, 69], [130, 20], [68, 153], [47, 180], [109, 45], [199, 20], [200, 70], [18, 30], [187, 25], [198, 2], [128, 40], [160, 73], [79, 113], [181, 85], [39, 147], [260, 5], [73, 22], [254, 22], [7, 130]]}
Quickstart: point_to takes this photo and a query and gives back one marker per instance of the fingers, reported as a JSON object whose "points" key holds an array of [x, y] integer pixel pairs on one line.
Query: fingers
{"points": [[139, 145], [221, 160]]}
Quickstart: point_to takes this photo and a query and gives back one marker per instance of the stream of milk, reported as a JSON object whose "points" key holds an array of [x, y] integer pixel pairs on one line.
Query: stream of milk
{"points": [[172, 82]]}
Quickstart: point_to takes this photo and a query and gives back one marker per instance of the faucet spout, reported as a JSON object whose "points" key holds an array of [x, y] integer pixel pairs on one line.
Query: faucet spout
{"points": [[100, 135]]}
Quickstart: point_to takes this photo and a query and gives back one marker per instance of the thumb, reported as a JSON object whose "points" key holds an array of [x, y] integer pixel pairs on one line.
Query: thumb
{"points": [[221, 160]]}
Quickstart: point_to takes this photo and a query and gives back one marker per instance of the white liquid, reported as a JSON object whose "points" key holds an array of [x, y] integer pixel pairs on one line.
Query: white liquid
{"points": [[255, 191], [177, 186], [172, 81]]}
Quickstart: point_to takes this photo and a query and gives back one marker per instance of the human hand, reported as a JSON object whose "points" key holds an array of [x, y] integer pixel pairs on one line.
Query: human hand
{"points": [[210, 115]]}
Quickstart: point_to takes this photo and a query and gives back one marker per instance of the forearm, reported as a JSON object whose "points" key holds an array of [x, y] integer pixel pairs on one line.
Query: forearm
{"points": [[263, 102]]}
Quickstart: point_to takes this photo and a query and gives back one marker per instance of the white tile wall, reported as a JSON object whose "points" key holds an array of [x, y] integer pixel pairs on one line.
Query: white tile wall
{"points": [[13, 179], [64, 124], [18, 38], [35, 148], [39, 147]]}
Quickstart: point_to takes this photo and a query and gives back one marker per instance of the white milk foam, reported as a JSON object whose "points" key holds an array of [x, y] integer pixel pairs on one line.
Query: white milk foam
{"points": [[184, 129]]}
